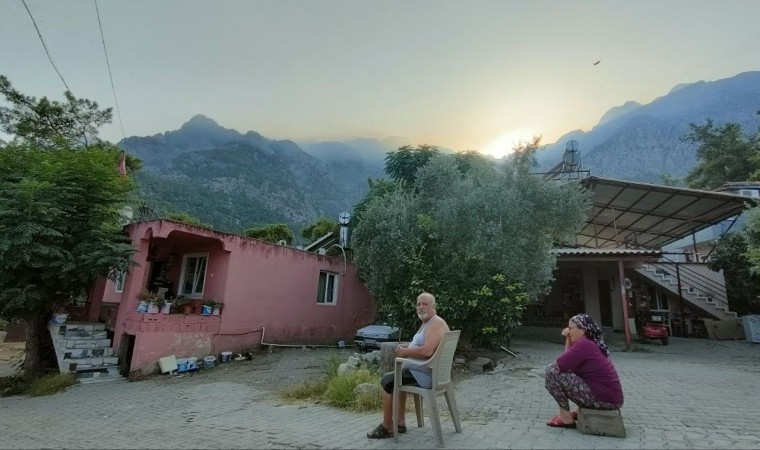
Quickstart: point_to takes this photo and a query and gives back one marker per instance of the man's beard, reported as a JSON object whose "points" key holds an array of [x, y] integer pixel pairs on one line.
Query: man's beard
{"points": [[423, 315]]}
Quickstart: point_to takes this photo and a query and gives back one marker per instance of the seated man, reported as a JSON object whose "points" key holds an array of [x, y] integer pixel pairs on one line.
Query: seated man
{"points": [[423, 346]]}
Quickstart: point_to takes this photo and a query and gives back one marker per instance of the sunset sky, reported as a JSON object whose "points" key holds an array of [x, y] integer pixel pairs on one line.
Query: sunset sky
{"points": [[458, 74]]}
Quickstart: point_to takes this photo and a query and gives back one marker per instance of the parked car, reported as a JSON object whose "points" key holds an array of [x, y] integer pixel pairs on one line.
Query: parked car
{"points": [[371, 336]]}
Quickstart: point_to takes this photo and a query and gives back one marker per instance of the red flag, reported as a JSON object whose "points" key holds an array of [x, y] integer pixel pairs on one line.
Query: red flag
{"points": [[123, 164]]}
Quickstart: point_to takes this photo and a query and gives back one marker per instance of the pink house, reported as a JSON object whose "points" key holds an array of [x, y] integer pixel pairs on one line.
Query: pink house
{"points": [[291, 295]]}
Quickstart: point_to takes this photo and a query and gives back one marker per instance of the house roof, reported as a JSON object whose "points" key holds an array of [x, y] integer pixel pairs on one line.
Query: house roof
{"points": [[642, 215], [605, 252]]}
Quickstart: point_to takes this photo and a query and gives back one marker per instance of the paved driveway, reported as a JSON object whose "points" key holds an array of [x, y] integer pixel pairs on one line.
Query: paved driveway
{"points": [[690, 394]]}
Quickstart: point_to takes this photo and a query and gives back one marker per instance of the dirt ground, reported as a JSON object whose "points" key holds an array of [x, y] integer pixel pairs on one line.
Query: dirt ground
{"points": [[10, 356], [285, 367]]}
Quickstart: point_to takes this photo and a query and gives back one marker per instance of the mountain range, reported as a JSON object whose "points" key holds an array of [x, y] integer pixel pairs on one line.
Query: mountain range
{"points": [[234, 181]]}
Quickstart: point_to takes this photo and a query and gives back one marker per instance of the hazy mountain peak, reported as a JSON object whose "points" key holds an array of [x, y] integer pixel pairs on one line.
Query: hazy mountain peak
{"points": [[618, 111], [200, 121]]}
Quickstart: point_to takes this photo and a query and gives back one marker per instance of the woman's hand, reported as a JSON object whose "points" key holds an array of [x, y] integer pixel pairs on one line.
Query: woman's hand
{"points": [[566, 332]]}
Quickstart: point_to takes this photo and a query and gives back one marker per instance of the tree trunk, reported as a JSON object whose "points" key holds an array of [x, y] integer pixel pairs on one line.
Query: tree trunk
{"points": [[387, 356], [37, 345]]}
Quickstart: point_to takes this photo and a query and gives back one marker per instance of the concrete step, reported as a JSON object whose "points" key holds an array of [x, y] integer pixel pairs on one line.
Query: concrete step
{"points": [[100, 375], [86, 343], [92, 361], [87, 352]]}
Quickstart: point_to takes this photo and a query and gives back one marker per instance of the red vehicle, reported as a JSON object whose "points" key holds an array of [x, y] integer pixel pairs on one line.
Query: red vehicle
{"points": [[651, 326]]}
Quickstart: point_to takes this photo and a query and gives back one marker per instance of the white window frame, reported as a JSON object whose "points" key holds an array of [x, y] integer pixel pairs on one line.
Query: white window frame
{"points": [[181, 288], [119, 281], [323, 296]]}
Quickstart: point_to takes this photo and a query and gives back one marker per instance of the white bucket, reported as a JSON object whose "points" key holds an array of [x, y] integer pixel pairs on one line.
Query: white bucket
{"points": [[226, 357], [209, 361], [60, 318]]}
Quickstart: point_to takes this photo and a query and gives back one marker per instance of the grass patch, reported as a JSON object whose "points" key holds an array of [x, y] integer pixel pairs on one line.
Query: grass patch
{"points": [[337, 390], [51, 384], [35, 387]]}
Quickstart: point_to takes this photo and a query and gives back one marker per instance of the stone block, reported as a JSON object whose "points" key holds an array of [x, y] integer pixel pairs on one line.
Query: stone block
{"points": [[346, 368], [480, 365], [367, 388], [601, 422]]}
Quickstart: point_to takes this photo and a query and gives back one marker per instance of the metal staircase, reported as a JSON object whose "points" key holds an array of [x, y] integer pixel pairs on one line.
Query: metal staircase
{"points": [[84, 350], [696, 289]]}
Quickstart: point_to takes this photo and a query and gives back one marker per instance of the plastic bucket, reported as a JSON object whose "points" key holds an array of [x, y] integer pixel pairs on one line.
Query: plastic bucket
{"points": [[192, 360], [181, 364], [226, 357], [206, 310], [209, 361], [60, 318]]}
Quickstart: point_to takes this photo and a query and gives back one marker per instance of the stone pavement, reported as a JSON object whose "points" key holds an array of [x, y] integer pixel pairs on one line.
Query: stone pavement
{"points": [[690, 394]]}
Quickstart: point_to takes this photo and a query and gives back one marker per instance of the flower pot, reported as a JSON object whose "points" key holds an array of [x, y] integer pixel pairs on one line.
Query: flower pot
{"points": [[206, 310], [216, 311], [167, 308], [187, 309], [153, 308], [142, 306]]}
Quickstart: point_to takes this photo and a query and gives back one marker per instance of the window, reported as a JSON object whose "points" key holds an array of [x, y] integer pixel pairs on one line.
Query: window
{"points": [[328, 288], [658, 300], [193, 276], [120, 277], [749, 192]]}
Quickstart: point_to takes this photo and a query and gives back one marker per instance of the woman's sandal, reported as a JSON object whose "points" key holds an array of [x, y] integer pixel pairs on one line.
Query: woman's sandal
{"points": [[380, 432], [557, 422]]}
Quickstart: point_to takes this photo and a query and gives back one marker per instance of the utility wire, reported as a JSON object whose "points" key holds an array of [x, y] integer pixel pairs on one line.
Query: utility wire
{"points": [[108, 64], [45, 46]]}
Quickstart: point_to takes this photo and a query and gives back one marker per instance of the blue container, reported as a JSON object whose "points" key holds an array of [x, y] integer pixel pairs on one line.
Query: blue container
{"points": [[206, 310]]}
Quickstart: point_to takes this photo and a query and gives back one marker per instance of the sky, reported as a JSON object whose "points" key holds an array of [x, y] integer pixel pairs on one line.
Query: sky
{"points": [[464, 75]]}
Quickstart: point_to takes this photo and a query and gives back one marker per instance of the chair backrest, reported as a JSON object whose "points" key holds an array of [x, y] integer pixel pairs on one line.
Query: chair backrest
{"points": [[443, 358]]}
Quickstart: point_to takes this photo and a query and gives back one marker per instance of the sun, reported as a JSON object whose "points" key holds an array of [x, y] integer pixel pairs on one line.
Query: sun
{"points": [[506, 143]]}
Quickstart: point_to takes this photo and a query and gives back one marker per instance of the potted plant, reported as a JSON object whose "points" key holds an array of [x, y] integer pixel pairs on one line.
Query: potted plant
{"points": [[179, 304], [208, 306], [155, 304], [217, 309], [143, 300]]}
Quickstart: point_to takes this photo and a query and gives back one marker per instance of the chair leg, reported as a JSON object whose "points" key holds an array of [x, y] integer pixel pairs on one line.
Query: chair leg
{"points": [[451, 400], [435, 419], [418, 409], [394, 408]]}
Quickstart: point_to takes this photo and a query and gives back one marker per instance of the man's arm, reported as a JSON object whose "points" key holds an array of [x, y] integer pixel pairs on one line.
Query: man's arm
{"points": [[433, 335]]}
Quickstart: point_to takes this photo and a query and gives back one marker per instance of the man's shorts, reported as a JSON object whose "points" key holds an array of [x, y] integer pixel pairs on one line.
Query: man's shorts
{"points": [[407, 379]]}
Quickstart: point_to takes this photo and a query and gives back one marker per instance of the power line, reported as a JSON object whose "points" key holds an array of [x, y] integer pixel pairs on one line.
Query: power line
{"points": [[108, 64], [45, 46]]}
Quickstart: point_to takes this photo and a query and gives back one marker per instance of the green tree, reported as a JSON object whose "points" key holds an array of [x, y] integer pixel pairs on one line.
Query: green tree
{"points": [[731, 255], [47, 124], [188, 219], [752, 233], [377, 188], [480, 241], [402, 164], [60, 228], [724, 154], [320, 228], [271, 233]]}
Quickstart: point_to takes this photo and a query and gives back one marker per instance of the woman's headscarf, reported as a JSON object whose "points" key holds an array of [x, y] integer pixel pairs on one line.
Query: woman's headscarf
{"points": [[591, 330]]}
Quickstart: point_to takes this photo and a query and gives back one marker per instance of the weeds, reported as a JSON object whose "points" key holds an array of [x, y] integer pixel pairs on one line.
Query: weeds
{"points": [[35, 387], [338, 390], [51, 384]]}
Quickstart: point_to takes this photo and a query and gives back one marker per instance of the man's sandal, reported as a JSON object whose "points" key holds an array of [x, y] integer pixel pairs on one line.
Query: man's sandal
{"points": [[380, 432]]}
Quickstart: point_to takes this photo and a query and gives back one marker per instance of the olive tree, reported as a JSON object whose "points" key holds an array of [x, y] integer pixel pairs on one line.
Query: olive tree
{"points": [[479, 240]]}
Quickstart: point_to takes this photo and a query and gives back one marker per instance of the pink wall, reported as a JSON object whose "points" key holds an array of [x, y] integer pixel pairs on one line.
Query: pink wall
{"points": [[262, 285]]}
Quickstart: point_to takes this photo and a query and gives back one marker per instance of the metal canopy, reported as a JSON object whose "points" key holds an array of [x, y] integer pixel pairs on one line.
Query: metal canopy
{"points": [[640, 215]]}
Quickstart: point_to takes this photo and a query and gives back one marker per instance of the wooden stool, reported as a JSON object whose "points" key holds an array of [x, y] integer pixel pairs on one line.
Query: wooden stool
{"points": [[601, 422]]}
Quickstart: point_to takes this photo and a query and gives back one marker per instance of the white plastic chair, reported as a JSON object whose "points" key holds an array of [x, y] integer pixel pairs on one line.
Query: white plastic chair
{"points": [[440, 364]]}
